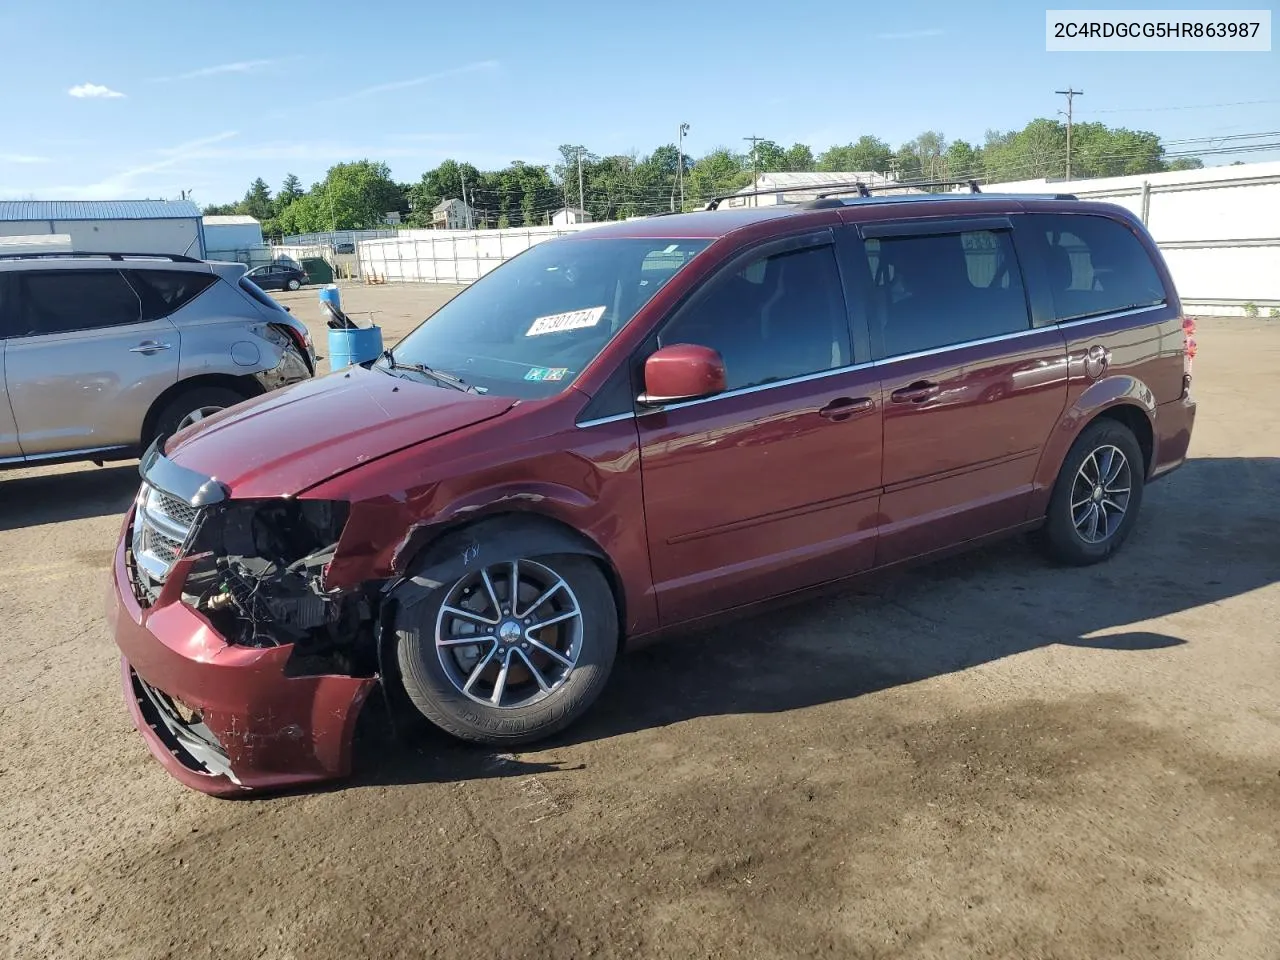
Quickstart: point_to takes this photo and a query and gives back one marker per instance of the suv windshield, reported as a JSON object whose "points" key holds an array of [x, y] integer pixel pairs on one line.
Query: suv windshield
{"points": [[530, 327]]}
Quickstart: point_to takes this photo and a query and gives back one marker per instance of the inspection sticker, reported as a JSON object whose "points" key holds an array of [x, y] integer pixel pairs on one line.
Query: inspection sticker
{"points": [[559, 322], [556, 373], [536, 373]]}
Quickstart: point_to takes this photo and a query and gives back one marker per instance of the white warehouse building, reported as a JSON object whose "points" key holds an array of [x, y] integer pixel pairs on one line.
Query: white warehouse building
{"points": [[109, 226]]}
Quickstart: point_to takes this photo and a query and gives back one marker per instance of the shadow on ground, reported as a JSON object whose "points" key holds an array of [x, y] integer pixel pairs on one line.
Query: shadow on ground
{"points": [[31, 500], [1192, 547]]}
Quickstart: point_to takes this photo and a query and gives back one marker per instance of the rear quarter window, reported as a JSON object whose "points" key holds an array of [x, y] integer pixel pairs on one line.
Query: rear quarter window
{"points": [[1095, 265], [260, 295], [166, 291]]}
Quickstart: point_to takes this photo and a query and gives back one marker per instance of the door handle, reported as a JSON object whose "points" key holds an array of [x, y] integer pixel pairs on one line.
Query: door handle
{"points": [[150, 346], [843, 408], [918, 392]]}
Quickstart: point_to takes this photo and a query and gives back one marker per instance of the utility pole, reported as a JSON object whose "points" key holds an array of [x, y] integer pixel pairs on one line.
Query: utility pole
{"points": [[1070, 94], [582, 199], [684, 128], [755, 173], [466, 211]]}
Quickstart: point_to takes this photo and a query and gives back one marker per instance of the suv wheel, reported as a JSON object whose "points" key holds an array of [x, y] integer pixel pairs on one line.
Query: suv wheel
{"points": [[294, 283], [192, 406], [1097, 495], [510, 653]]}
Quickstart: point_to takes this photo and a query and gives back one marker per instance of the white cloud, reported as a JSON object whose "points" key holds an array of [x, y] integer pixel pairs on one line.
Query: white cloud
{"points": [[21, 158], [94, 91], [239, 66], [911, 34], [477, 67]]}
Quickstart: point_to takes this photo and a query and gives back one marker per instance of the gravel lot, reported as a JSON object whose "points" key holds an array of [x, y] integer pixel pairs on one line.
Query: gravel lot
{"points": [[988, 757]]}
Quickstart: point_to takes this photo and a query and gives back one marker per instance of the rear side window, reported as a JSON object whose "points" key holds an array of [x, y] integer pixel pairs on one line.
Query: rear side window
{"points": [[938, 291], [1095, 265], [166, 291], [58, 301], [255, 291]]}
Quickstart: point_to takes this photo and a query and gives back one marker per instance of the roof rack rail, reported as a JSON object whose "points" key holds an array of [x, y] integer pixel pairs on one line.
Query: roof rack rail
{"points": [[868, 191], [858, 185], [83, 254]]}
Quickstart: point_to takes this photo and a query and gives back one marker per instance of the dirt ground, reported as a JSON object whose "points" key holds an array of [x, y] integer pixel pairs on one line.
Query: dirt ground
{"points": [[989, 757]]}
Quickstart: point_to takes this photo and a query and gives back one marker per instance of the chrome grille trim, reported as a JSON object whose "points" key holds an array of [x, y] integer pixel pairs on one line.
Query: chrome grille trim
{"points": [[162, 528]]}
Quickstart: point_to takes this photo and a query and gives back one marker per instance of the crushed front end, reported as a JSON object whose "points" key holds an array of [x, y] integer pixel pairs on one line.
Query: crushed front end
{"points": [[242, 671]]}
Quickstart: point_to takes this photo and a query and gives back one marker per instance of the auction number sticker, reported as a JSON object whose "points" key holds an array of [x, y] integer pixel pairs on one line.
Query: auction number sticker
{"points": [[560, 322]]}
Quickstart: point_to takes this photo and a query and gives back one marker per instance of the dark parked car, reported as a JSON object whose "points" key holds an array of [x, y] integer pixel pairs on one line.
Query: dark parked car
{"points": [[633, 428], [278, 276]]}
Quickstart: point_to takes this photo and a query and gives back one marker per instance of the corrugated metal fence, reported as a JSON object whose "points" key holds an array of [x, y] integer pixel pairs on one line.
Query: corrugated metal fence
{"points": [[449, 256]]}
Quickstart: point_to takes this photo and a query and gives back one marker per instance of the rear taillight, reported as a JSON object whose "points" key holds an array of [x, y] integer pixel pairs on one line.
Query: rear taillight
{"points": [[1188, 352], [300, 340]]}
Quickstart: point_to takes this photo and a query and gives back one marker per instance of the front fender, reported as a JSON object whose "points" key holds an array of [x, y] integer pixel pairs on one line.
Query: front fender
{"points": [[484, 543], [1103, 395]]}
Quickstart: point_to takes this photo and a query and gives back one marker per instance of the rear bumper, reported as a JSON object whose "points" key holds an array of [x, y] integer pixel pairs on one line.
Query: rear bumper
{"points": [[1173, 422], [223, 719]]}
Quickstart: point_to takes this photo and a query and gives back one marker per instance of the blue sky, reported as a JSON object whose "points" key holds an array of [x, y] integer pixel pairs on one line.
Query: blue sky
{"points": [[213, 95]]}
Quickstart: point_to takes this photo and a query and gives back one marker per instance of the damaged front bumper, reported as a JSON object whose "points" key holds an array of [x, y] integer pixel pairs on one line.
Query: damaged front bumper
{"points": [[225, 719]]}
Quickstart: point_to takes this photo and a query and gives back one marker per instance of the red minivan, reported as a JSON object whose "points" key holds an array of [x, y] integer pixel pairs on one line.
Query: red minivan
{"points": [[632, 428]]}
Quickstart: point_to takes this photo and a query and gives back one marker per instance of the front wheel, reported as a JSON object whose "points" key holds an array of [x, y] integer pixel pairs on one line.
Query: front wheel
{"points": [[512, 652], [294, 284], [1097, 494]]}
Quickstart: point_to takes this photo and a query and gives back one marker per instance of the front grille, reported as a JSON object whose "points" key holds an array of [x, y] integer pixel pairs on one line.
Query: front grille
{"points": [[162, 529]]}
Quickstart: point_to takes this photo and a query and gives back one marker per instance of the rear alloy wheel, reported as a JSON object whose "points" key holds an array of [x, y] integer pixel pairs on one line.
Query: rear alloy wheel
{"points": [[194, 405], [512, 652], [1097, 495]]}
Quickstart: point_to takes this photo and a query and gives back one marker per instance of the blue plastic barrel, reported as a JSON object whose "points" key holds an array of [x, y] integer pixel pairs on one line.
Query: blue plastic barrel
{"points": [[347, 347], [331, 296]]}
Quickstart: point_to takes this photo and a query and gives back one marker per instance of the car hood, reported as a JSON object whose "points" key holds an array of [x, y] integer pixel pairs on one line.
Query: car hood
{"points": [[281, 443]]}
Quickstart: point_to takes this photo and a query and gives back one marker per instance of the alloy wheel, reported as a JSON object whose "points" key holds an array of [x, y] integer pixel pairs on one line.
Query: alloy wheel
{"points": [[510, 634], [1100, 494], [196, 415]]}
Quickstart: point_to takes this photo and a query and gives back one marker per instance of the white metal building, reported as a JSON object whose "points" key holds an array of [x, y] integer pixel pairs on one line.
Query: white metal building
{"points": [[567, 216], [786, 185], [1218, 228], [224, 236], [109, 226]]}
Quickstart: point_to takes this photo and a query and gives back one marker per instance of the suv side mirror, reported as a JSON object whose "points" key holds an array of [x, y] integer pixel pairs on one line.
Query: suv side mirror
{"points": [[682, 371]]}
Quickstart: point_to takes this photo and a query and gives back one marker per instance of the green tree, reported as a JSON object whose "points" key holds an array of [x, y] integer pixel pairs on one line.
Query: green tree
{"points": [[257, 200], [798, 159], [1185, 163], [867, 154], [962, 161], [290, 191], [720, 172]]}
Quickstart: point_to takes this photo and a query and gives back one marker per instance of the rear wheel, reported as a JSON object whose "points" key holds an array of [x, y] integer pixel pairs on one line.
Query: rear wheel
{"points": [[1097, 495], [510, 653], [192, 406]]}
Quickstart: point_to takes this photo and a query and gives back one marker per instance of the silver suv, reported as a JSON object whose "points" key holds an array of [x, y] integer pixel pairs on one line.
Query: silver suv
{"points": [[102, 353]]}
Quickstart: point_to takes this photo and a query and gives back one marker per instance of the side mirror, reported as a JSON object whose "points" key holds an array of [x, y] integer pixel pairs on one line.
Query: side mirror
{"points": [[682, 371]]}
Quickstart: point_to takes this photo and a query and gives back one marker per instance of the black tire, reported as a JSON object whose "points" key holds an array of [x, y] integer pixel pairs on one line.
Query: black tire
{"points": [[294, 284], [1080, 545], [437, 697], [188, 402]]}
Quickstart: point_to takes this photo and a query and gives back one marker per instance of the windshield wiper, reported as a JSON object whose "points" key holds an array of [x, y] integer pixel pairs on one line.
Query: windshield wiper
{"points": [[439, 376]]}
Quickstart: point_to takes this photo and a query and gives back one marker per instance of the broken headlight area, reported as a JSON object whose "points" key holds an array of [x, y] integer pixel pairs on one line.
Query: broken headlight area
{"points": [[259, 580]]}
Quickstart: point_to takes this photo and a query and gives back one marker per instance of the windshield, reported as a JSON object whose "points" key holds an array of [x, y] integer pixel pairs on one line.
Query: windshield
{"points": [[530, 327]]}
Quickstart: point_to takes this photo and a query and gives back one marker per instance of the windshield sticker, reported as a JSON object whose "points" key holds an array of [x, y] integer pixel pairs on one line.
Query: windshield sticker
{"points": [[560, 322], [537, 373], [556, 373]]}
